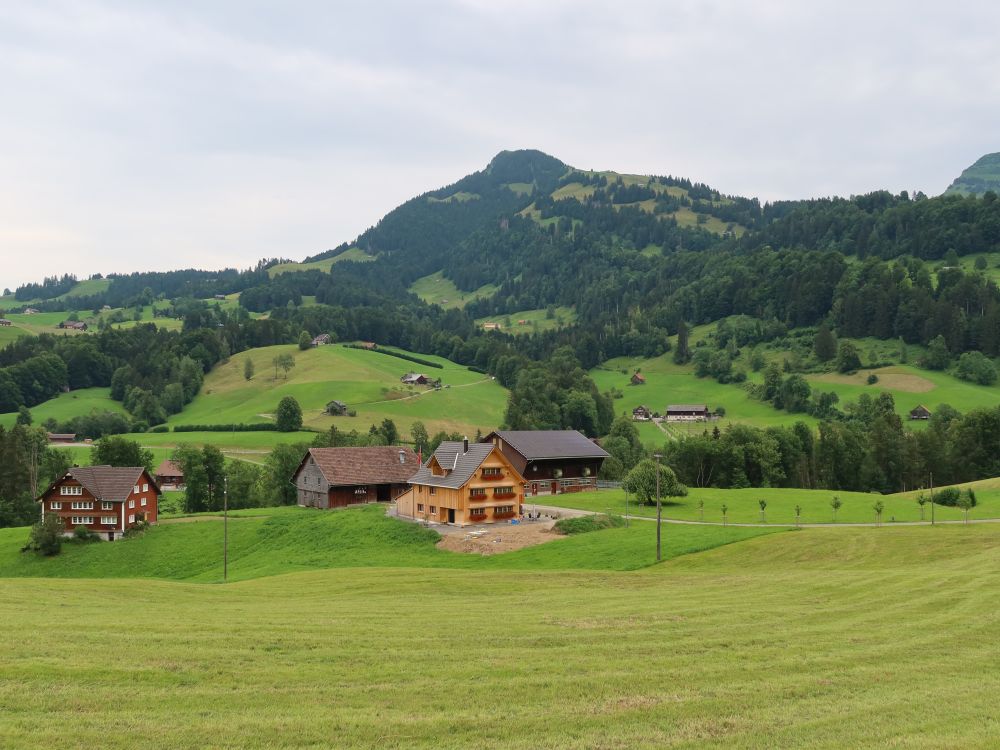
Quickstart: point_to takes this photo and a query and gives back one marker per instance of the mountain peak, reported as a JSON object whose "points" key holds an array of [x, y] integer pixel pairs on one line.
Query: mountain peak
{"points": [[982, 176], [526, 166]]}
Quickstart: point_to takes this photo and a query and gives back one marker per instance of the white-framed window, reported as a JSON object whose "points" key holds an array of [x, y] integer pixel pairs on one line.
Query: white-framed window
{"points": [[131, 518], [142, 502], [503, 491], [477, 492], [491, 471], [55, 505], [501, 509], [82, 520], [131, 503], [71, 489], [145, 487], [136, 489], [82, 505], [109, 520], [105, 505]]}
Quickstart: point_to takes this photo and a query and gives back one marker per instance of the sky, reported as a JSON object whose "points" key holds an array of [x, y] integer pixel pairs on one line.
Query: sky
{"points": [[160, 135]]}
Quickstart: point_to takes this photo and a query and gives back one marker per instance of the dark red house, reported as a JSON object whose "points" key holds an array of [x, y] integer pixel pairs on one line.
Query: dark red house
{"points": [[107, 500], [551, 460], [170, 475], [335, 477]]}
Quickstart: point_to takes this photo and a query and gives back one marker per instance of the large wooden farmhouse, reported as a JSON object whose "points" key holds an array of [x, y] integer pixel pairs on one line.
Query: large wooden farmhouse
{"points": [[335, 477], [107, 500], [687, 413], [464, 483], [551, 460]]}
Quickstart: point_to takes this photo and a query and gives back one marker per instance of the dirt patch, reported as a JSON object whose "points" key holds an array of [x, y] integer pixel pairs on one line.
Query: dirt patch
{"points": [[499, 538], [893, 381]]}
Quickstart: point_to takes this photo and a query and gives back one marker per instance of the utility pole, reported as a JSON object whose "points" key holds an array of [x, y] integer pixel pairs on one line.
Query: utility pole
{"points": [[932, 498], [659, 507], [225, 529]]}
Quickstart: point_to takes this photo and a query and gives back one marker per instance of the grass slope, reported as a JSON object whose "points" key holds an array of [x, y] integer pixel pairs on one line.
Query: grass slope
{"points": [[744, 508], [536, 321], [822, 638], [367, 381], [65, 406], [435, 289], [354, 253]]}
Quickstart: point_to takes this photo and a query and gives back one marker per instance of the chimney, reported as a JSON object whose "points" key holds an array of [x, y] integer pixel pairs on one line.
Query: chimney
{"points": [[465, 445], [402, 456]]}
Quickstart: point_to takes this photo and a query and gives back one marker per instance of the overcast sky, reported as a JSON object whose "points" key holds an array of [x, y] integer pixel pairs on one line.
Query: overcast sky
{"points": [[159, 135]]}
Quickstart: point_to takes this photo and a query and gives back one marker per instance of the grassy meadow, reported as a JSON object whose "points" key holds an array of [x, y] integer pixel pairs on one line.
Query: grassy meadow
{"points": [[353, 253], [65, 406], [435, 289], [535, 321], [838, 637], [366, 381], [743, 505]]}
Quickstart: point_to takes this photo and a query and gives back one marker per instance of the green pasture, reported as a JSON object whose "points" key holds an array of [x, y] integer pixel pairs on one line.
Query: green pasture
{"points": [[227, 442], [65, 406], [354, 253], [743, 505], [834, 638], [367, 381], [535, 321], [435, 289], [461, 196]]}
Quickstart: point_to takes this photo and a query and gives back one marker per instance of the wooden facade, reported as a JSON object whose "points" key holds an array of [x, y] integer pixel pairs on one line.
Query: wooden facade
{"points": [[553, 461], [103, 499], [337, 477], [489, 491]]}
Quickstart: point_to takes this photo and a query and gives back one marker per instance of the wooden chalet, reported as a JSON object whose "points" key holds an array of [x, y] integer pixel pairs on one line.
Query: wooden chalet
{"points": [[336, 477], [30, 311], [322, 340], [920, 412], [107, 500], [491, 326], [4, 322], [415, 378], [63, 438], [551, 460], [464, 483], [687, 413], [641, 414], [638, 379], [73, 325], [170, 476], [219, 297]]}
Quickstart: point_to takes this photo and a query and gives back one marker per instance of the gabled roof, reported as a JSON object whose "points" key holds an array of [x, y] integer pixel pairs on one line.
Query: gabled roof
{"points": [[459, 464], [687, 407], [106, 482], [169, 469], [537, 444], [377, 464]]}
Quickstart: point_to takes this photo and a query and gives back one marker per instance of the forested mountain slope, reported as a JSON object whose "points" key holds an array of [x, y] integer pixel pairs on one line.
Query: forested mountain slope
{"points": [[981, 177]]}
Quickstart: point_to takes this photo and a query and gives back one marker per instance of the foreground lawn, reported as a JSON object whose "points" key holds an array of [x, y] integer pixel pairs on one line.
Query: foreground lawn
{"points": [[827, 638], [744, 506]]}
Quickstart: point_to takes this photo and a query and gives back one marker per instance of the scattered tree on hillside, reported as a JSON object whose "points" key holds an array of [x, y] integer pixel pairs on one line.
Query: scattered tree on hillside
{"points": [[965, 502], [288, 415], [976, 367], [23, 416], [824, 344], [798, 514], [118, 451], [878, 507], [763, 507], [46, 536], [848, 358], [835, 504], [305, 341], [921, 501], [937, 357], [284, 362], [682, 353], [248, 369], [420, 438], [641, 482], [725, 514]]}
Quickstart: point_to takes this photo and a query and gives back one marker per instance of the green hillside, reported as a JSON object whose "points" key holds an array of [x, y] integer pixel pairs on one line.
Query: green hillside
{"points": [[982, 176], [65, 406], [367, 381], [817, 638], [355, 253], [435, 289], [531, 321]]}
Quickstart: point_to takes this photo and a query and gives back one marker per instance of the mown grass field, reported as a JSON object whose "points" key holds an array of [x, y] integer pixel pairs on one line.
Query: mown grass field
{"points": [[65, 406], [354, 253], [743, 505], [830, 638], [366, 381], [435, 289], [535, 321]]}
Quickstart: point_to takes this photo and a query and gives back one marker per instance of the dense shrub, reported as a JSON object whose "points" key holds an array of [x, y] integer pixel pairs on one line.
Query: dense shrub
{"points": [[585, 524]]}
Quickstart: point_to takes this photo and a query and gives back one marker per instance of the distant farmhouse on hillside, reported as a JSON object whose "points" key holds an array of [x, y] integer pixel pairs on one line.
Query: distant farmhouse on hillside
{"points": [[687, 413], [415, 378], [336, 409], [920, 412], [321, 340], [73, 325], [61, 437], [641, 414], [5, 322], [336, 477], [638, 378], [170, 476]]}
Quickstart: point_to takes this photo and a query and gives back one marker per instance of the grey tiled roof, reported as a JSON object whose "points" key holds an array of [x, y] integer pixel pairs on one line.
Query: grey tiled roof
{"points": [[460, 466], [535, 444], [378, 464], [687, 407]]}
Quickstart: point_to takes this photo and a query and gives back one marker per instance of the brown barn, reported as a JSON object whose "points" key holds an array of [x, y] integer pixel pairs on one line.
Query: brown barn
{"points": [[638, 378], [687, 413], [170, 476], [107, 500], [920, 412], [64, 438], [335, 477], [5, 322], [551, 460]]}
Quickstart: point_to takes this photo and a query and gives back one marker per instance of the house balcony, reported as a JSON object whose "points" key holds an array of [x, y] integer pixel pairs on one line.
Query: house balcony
{"points": [[491, 477], [504, 495]]}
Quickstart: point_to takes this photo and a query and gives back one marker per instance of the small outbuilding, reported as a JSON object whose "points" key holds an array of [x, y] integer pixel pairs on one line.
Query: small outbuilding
{"points": [[62, 438], [337, 477], [920, 412], [336, 409], [322, 340], [638, 378], [415, 378], [641, 414], [170, 476]]}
